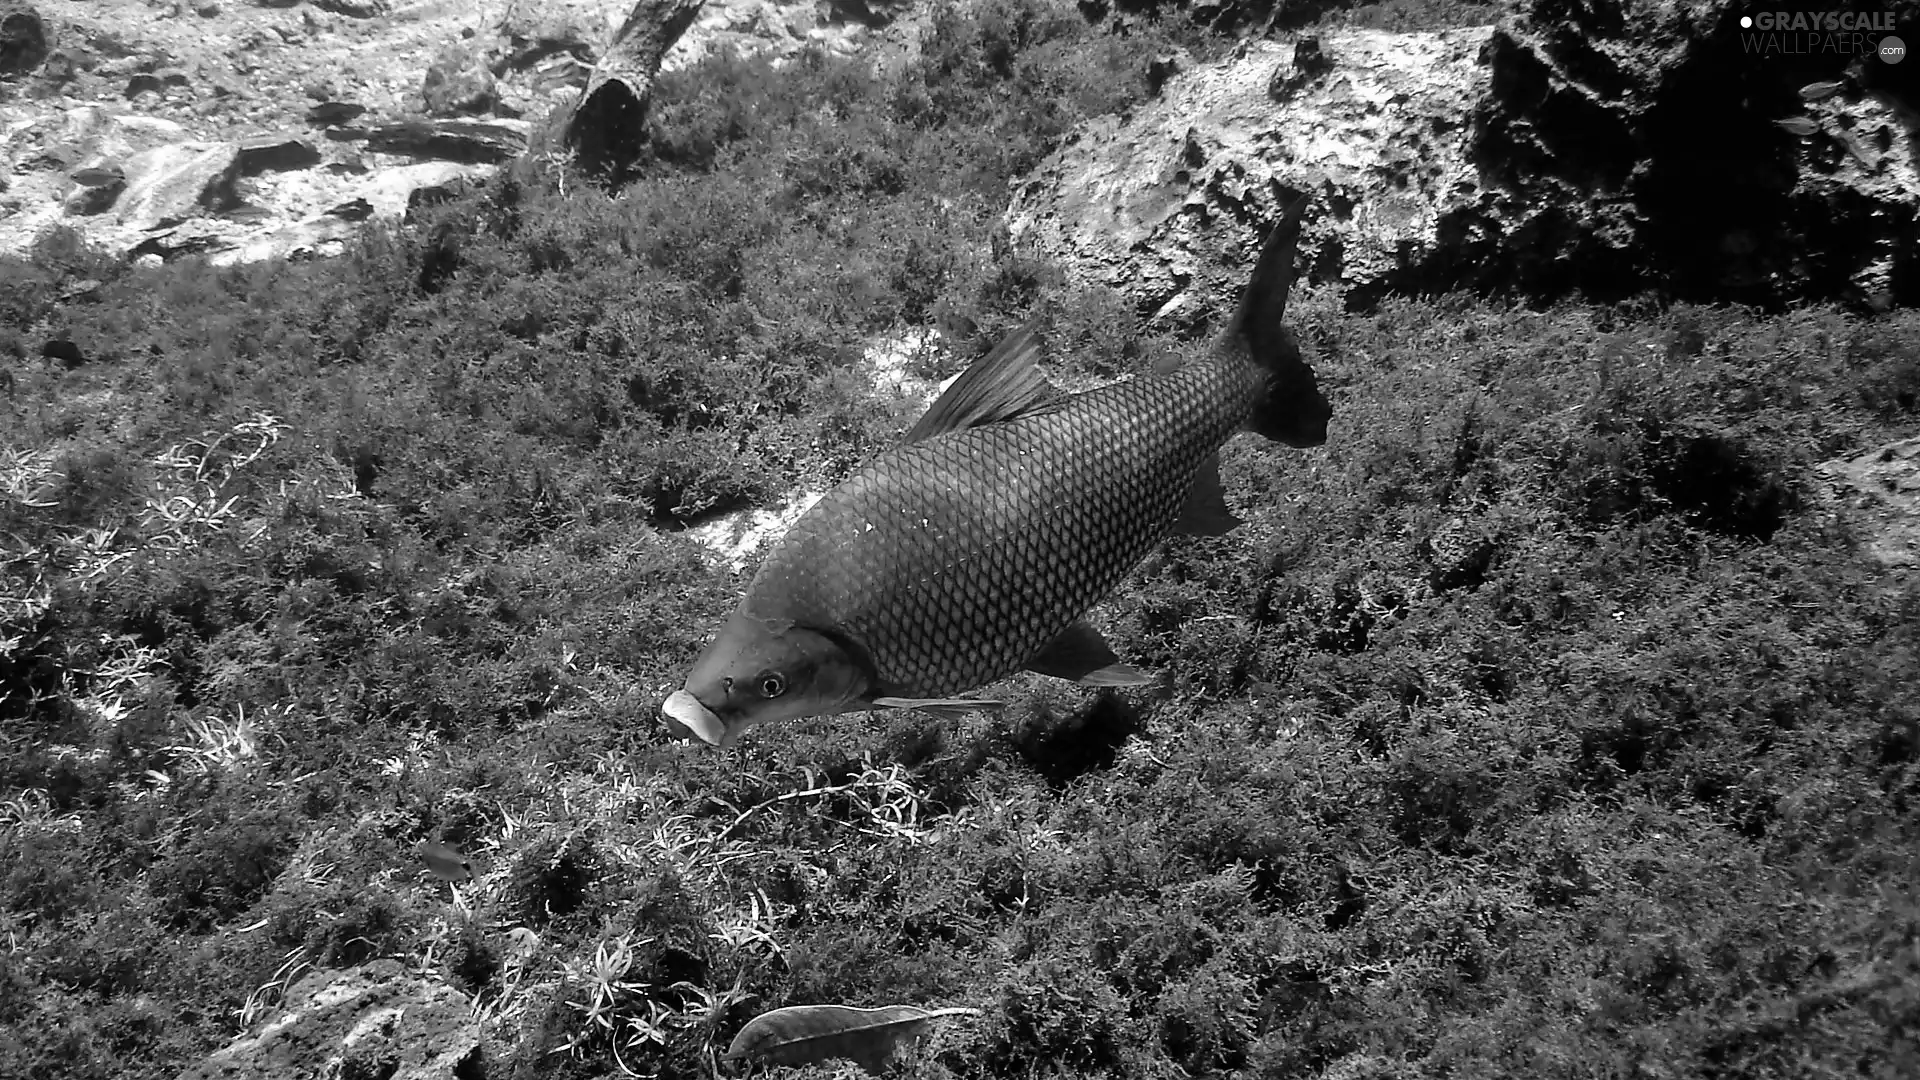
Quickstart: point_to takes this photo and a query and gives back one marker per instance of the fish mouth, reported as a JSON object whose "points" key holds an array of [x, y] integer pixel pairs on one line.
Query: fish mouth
{"points": [[688, 711]]}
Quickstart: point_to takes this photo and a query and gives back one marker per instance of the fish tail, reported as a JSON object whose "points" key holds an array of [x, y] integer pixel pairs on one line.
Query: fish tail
{"points": [[1290, 408]]}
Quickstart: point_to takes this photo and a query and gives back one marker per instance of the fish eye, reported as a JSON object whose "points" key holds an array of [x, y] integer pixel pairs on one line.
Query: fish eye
{"points": [[772, 684]]}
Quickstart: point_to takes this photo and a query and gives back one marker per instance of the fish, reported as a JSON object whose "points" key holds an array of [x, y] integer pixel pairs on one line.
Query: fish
{"points": [[94, 176], [444, 861], [1798, 125], [351, 210], [1820, 91], [329, 113], [972, 549]]}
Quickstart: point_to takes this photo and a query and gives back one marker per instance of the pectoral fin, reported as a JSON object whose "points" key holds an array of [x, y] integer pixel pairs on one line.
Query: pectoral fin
{"points": [[1081, 654], [1206, 513], [944, 708]]}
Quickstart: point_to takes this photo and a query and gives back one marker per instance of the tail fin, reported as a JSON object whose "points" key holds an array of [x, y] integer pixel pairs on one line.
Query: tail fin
{"points": [[1293, 411]]}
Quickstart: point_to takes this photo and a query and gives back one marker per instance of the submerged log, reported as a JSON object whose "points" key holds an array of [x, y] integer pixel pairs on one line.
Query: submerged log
{"points": [[608, 126]]}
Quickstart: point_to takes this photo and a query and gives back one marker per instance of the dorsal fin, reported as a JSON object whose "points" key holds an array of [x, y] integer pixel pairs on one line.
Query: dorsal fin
{"points": [[999, 386]]}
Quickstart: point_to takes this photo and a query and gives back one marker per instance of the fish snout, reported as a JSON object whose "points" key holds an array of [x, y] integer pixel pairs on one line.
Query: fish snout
{"points": [[689, 712]]}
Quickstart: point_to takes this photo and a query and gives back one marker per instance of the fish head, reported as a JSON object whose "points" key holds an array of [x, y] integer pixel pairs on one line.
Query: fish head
{"points": [[762, 669]]}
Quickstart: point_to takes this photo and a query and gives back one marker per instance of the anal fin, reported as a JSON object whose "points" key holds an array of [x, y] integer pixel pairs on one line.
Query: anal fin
{"points": [[1205, 512], [944, 708], [1081, 654], [1116, 675]]}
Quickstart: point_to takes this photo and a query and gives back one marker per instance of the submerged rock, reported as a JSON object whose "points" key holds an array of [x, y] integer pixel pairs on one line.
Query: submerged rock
{"points": [[172, 183], [276, 153], [1649, 145], [471, 141], [1576, 148], [373, 1020], [1878, 492], [1371, 124], [354, 9], [23, 38], [458, 82]]}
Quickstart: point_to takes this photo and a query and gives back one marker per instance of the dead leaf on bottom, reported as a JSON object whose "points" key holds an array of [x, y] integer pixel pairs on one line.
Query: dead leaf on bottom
{"points": [[807, 1034]]}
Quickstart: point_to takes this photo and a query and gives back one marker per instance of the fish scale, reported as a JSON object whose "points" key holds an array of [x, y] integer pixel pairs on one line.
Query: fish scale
{"points": [[1010, 553]]}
